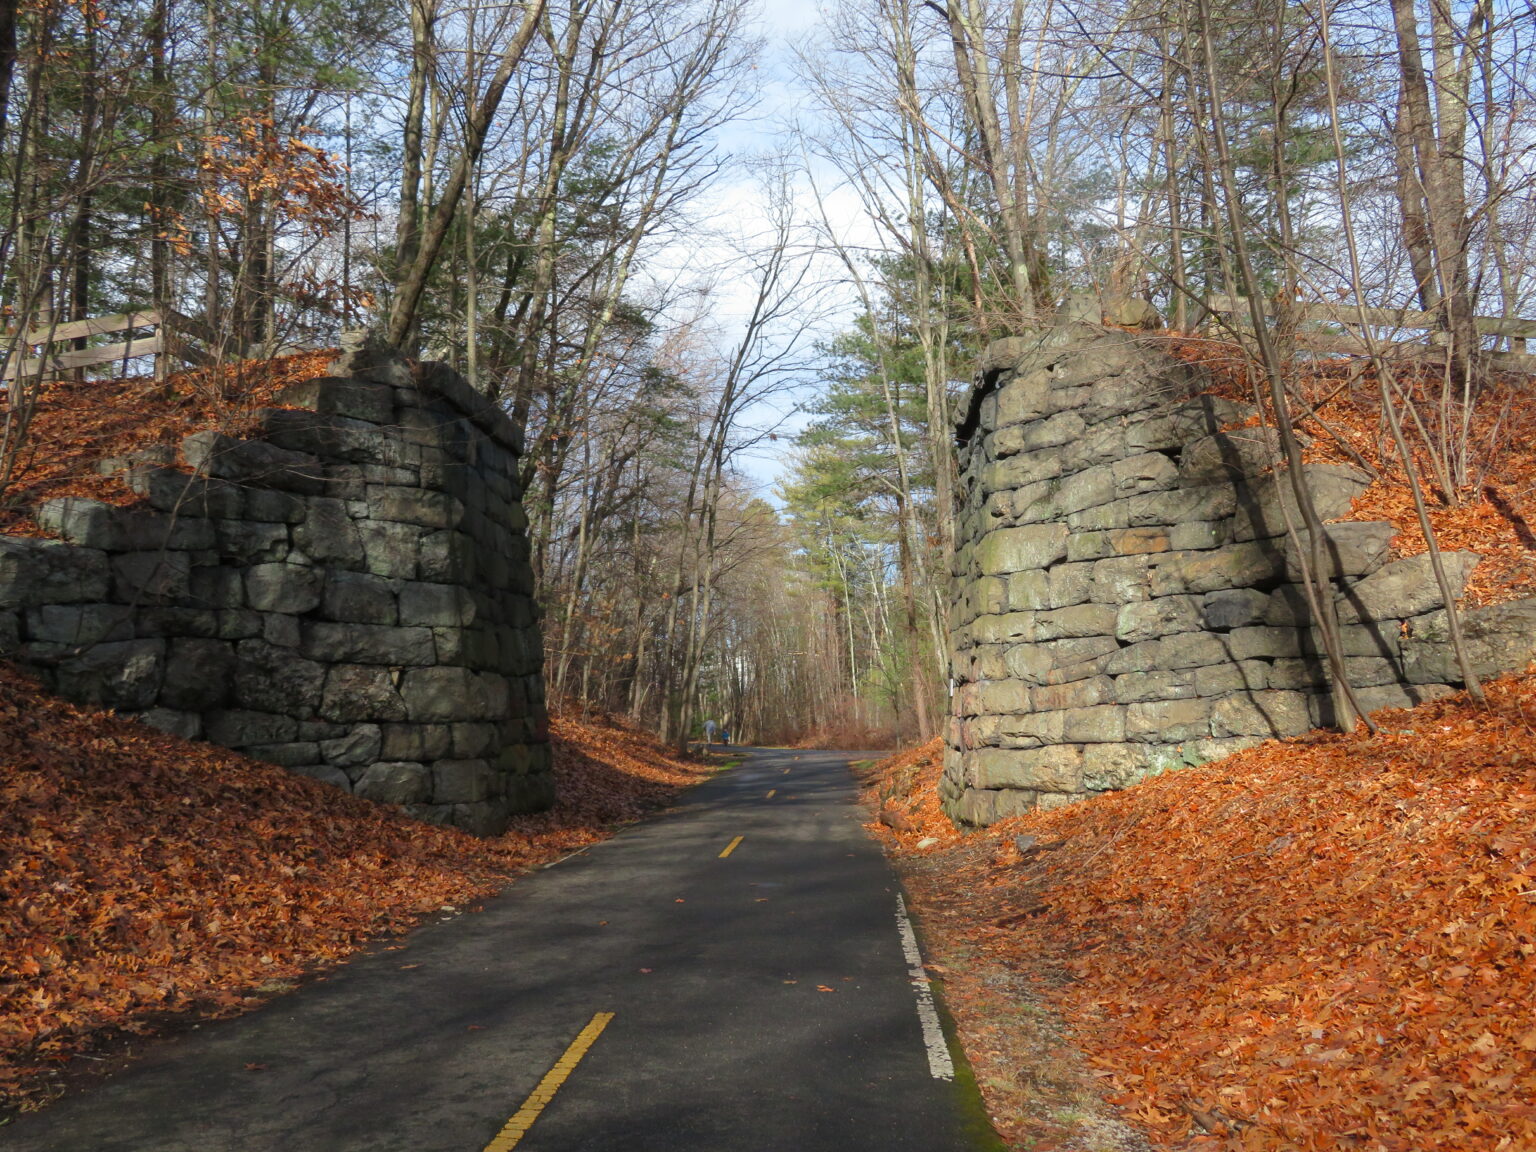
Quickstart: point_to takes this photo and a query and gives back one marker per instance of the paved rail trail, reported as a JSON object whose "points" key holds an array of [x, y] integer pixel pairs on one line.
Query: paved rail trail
{"points": [[709, 934]]}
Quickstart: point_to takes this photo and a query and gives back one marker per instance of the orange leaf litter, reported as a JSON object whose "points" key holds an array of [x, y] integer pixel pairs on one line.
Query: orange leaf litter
{"points": [[143, 874]]}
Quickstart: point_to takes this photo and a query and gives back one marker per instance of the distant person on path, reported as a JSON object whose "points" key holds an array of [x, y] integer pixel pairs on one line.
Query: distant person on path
{"points": [[709, 732], [725, 735]]}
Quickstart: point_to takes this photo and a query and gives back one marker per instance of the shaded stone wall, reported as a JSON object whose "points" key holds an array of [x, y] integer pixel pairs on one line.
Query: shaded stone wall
{"points": [[1126, 598], [348, 595]]}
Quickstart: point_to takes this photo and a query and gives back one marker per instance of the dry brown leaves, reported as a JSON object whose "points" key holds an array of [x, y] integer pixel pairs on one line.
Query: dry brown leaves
{"points": [[1492, 515], [79, 424], [143, 874], [1317, 944]]}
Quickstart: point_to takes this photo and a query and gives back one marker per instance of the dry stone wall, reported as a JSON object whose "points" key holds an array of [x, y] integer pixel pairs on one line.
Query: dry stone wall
{"points": [[348, 595], [1126, 595]]}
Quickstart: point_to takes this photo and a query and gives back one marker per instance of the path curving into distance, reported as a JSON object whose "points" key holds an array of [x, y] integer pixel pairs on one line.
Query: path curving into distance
{"points": [[736, 975]]}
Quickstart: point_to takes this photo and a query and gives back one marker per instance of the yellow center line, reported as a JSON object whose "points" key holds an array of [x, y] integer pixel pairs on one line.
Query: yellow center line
{"points": [[731, 847], [517, 1127], [771, 791]]}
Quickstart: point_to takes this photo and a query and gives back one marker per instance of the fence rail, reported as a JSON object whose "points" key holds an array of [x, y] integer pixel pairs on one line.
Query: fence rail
{"points": [[165, 340], [1352, 342]]}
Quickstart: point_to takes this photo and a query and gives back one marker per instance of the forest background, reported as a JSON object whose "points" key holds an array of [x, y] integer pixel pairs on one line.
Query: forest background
{"points": [[673, 241]]}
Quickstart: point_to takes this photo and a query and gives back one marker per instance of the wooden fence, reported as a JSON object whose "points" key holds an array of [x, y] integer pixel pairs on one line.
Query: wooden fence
{"points": [[166, 339], [1352, 342]]}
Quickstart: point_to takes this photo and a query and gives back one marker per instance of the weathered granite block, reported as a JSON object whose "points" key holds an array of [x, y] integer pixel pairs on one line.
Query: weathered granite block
{"points": [[287, 588], [356, 692]]}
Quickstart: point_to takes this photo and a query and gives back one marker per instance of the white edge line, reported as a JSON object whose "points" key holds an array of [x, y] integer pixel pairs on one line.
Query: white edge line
{"points": [[939, 1062]]}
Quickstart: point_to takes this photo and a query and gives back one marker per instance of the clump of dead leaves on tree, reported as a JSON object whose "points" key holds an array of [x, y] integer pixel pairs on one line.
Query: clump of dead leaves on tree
{"points": [[1320, 943], [144, 876]]}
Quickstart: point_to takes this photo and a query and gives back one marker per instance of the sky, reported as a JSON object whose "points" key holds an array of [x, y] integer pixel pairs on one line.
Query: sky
{"points": [[737, 208]]}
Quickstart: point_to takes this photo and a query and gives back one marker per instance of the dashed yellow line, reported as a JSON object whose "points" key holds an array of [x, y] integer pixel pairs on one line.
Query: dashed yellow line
{"points": [[771, 791], [731, 847], [517, 1127]]}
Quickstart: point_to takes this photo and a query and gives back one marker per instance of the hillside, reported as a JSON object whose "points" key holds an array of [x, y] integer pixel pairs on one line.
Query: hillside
{"points": [[1315, 944], [149, 882]]}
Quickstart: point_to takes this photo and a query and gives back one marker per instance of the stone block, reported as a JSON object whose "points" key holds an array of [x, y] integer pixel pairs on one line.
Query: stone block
{"points": [[367, 355], [444, 694], [273, 679], [1149, 619], [363, 744], [413, 506], [325, 774], [217, 587], [1168, 721], [1147, 656], [185, 725], [1405, 588], [1115, 514], [390, 549], [409, 741], [1233, 566], [979, 807], [333, 643], [461, 781], [475, 741], [79, 625], [1058, 768], [394, 782], [252, 462], [1205, 502], [1237, 676], [89, 523], [251, 541], [355, 692], [1025, 731], [1116, 542], [1268, 506], [1265, 642], [181, 493], [1078, 620], [1230, 455], [1136, 687], [288, 588], [1010, 626], [1122, 579], [239, 729], [285, 755], [1193, 650], [1103, 724], [1108, 767], [435, 605], [995, 697], [1078, 694], [1007, 550], [1146, 472], [328, 535], [1196, 535], [1027, 663], [1269, 713], [199, 674], [151, 577], [359, 598], [238, 624], [1228, 608], [1355, 548], [336, 439], [124, 674], [1049, 801], [342, 396], [273, 506]]}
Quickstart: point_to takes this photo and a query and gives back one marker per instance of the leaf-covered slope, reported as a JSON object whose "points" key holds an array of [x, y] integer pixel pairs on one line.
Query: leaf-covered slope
{"points": [[141, 874], [1315, 944]]}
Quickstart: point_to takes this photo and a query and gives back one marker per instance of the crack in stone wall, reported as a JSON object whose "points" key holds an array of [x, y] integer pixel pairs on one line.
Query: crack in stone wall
{"points": [[1126, 598], [349, 596]]}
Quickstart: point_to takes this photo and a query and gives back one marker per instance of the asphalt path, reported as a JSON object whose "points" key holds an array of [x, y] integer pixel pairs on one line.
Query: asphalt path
{"points": [[675, 988]]}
